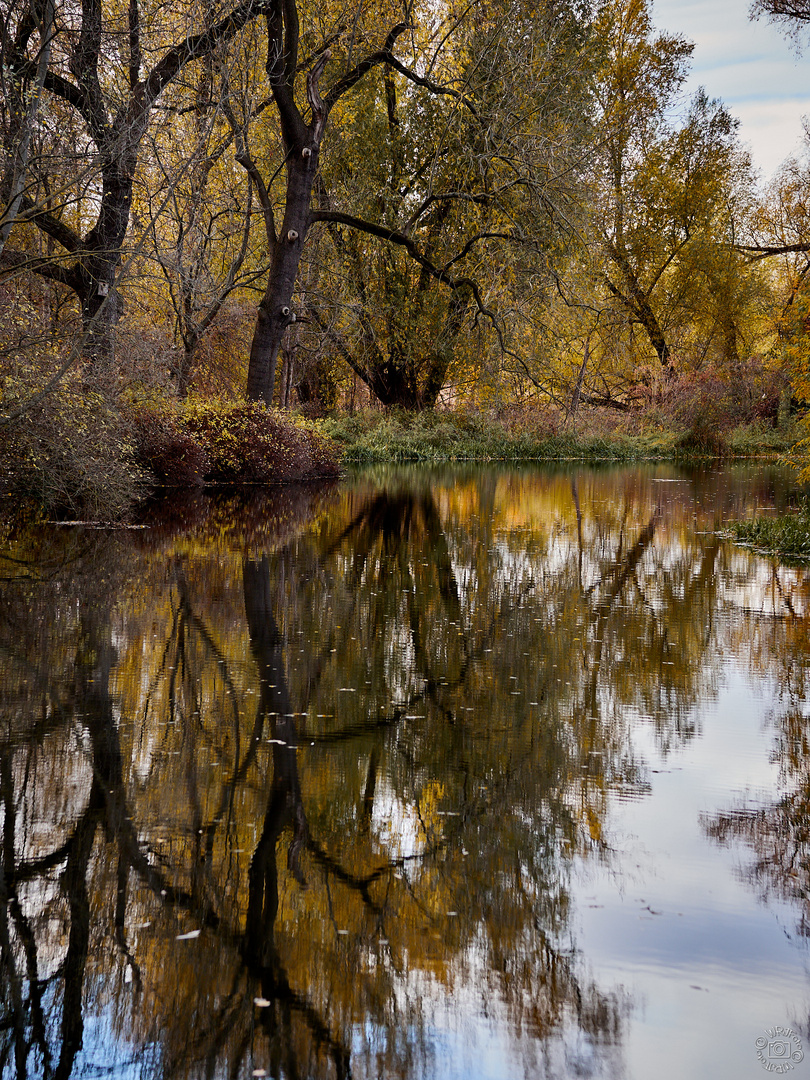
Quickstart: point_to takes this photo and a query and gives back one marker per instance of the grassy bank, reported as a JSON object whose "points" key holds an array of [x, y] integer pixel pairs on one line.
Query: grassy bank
{"points": [[523, 435], [370, 438], [78, 454]]}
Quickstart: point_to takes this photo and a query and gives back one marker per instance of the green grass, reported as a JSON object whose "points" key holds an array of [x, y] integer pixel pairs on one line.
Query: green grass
{"points": [[393, 437], [431, 436], [761, 440], [786, 536], [434, 436]]}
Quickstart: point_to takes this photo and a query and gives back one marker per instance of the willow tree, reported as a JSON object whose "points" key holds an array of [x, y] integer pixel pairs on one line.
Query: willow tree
{"points": [[671, 190], [793, 16], [636, 84], [479, 187], [704, 195], [302, 129], [428, 183]]}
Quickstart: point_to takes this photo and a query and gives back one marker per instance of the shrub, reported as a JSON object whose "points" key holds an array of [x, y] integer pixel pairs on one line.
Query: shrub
{"points": [[171, 453], [703, 438], [246, 442], [71, 451], [748, 392], [228, 442], [706, 405]]}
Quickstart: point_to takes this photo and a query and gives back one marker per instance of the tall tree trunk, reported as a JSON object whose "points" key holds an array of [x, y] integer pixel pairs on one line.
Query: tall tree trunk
{"points": [[636, 300], [439, 362], [275, 313], [101, 302], [302, 144]]}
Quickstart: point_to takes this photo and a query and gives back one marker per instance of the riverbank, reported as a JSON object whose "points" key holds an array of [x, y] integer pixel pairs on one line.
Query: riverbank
{"points": [[369, 438], [78, 456], [514, 435]]}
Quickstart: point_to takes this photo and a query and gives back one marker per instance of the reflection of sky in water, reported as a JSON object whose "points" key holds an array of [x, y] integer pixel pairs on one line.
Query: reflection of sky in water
{"points": [[663, 923], [709, 964], [106, 1054], [469, 1033], [397, 825], [667, 921], [754, 587]]}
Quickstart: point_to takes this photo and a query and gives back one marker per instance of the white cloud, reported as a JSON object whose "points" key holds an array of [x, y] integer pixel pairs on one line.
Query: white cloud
{"points": [[751, 66], [772, 129]]}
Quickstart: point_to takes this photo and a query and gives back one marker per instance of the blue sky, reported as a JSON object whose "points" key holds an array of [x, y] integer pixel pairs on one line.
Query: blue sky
{"points": [[751, 66]]}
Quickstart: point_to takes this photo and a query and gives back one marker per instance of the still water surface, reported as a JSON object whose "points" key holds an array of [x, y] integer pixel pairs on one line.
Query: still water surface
{"points": [[468, 773]]}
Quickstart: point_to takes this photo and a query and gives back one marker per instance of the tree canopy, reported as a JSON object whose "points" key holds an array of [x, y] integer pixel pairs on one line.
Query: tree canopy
{"points": [[414, 205]]}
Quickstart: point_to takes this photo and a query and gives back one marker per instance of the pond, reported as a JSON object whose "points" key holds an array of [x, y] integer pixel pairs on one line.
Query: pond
{"points": [[430, 774]]}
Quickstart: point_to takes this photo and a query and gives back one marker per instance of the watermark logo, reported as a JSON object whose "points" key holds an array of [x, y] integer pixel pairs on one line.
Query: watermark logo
{"points": [[779, 1050]]}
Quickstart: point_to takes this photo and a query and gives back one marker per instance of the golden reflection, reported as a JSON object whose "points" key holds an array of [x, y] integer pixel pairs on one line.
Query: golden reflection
{"points": [[273, 797]]}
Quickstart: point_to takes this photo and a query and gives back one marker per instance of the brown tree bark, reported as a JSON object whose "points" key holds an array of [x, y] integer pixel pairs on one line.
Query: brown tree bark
{"points": [[302, 146]]}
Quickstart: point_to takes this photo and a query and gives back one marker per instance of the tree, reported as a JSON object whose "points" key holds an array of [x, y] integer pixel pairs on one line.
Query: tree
{"points": [[636, 84], [19, 113], [301, 142], [481, 187], [202, 234], [670, 196], [706, 190], [791, 15], [100, 91], [443, 166], [301, 145], [780, 241]]}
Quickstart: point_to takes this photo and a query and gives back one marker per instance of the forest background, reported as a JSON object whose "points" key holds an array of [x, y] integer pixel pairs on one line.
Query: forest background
{"points": [[487, 214]]}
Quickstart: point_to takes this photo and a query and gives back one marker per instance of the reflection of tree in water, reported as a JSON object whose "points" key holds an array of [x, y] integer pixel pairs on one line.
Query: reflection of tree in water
{"points": [[586, 626], [778, 833], [364, 804]]}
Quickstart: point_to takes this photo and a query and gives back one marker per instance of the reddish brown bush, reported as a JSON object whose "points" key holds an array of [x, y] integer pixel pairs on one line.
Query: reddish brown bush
{"points": [[228, 442], [172, 454], [718, 399]]}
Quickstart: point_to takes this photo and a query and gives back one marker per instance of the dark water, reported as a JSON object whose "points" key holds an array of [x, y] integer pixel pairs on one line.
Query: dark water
{"points": [[473, 773]]}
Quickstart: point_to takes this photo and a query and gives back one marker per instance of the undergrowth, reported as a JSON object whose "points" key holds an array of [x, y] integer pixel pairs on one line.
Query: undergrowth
{"points": [[525, 433], [218, 441], [435, 436], [78, 453], [71, 453]]}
